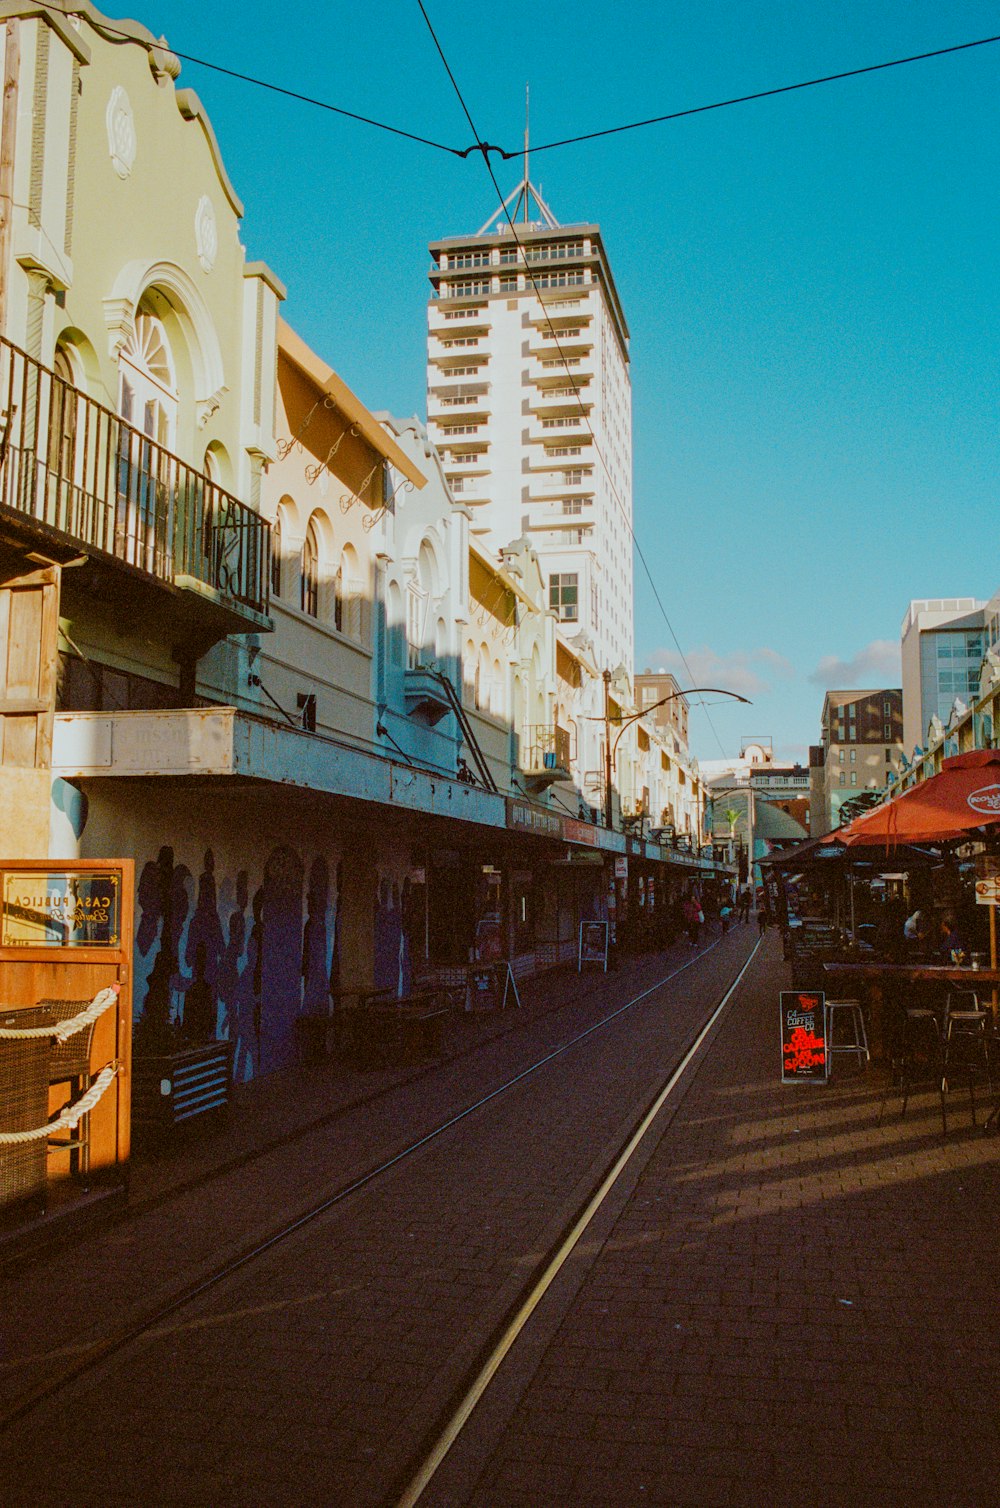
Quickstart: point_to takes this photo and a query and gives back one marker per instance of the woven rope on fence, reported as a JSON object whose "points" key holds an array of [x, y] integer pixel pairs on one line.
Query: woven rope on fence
{"points": [[101, 1002], [69, 1117]]}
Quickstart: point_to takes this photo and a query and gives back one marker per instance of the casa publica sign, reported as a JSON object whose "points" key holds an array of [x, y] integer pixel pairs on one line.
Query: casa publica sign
{"points": [[70, 909]]}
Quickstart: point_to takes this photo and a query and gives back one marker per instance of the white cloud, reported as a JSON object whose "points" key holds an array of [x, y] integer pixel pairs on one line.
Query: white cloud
{"points": [[878, 664], [747, 672]]}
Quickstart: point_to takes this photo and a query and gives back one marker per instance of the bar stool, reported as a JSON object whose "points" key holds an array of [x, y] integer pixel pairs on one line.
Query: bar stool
{"points": [[966, 1047], [922, 1040], [851, 1013]]}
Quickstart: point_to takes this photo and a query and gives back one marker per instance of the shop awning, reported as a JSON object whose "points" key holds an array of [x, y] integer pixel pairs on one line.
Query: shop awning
{"points": [[961, 799]]}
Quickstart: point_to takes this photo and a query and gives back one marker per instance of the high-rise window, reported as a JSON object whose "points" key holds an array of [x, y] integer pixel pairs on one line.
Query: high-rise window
{"points": [[564, 596]]}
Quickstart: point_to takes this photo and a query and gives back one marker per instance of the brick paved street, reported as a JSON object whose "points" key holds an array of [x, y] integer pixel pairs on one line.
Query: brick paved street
{"points": [[796, 1305], [785, 1299], [312, 1375]]}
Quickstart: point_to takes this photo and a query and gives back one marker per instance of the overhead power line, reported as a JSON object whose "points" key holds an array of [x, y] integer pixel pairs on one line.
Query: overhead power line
{"points": [[586, 418], [744, 99], [305, 99], [485, 147]]}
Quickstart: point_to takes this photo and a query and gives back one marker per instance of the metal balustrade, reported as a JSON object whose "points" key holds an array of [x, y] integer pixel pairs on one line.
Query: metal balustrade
{"points": [[77, 467], [545, 747]]}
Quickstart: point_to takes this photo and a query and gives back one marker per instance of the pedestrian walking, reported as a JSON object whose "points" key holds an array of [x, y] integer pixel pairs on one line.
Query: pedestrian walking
{"points": [[744, 903], [761, 920]]}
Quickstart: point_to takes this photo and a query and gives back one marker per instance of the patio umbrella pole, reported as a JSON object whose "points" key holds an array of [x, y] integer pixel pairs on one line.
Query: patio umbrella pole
{"points": [[993, 954]]}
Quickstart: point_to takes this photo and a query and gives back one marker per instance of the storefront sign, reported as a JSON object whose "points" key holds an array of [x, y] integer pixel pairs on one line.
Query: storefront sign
{"points": [[72, 909], [987, 880], [593, 947], [803, 1037], [621, 867], [525, 818], [579, 832]]}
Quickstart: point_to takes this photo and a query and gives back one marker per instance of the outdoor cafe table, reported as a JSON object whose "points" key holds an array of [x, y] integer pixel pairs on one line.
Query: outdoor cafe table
{"points": [[889, 984]]}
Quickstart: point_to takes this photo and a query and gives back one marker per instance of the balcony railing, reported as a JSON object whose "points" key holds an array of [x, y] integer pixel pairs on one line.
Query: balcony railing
{"points": [[545, 749], [74, 466]]}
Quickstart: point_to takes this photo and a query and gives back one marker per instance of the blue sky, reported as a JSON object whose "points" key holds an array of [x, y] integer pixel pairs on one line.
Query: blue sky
{"points": [[811, 284]]}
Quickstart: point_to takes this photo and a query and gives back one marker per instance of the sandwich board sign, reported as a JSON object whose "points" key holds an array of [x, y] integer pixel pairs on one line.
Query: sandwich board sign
{"points": [[593, 946], [804, 1051], [491, 985]]}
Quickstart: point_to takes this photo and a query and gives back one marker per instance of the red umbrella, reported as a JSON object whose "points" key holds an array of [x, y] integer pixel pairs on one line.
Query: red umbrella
{"points": [[963, 796]]}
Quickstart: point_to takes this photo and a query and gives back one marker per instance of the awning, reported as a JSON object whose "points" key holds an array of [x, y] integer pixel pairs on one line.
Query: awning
{"points": [[961, 799]]}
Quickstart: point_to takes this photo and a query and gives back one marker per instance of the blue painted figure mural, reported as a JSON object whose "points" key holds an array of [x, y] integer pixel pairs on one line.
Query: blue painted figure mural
{"points": [[163, 911], [235, 989], [280, 959], [315, 945], [225, 964]]}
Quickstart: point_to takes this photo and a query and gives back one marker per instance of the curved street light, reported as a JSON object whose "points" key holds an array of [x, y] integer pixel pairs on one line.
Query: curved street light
{"points": [[610, 750]]}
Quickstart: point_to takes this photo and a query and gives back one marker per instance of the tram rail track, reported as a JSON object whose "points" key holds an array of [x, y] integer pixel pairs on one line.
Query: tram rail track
{"points": [[93, 1354]]}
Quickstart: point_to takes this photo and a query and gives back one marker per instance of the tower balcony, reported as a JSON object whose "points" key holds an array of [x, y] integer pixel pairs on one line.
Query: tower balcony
{"points": [[445, 321], [77, 480], [571, 349], [561, 402], [555, 428], [472, 490], [466, 463]]}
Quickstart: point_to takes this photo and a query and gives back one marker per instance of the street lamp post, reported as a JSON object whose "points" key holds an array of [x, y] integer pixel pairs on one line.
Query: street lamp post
{"points": [[610, 750]]}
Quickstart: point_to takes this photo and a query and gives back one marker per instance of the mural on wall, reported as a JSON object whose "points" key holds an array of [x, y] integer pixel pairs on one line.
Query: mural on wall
{"points": [[280, 955], [393, 968], [212, 962]]}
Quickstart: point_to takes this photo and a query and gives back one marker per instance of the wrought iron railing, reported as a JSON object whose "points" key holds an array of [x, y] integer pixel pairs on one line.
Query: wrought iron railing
{"points": [[75, 466], [545, 747]]}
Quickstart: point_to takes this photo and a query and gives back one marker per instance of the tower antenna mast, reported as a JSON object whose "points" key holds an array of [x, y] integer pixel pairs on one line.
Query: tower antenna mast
{"points": [[527, 96]]}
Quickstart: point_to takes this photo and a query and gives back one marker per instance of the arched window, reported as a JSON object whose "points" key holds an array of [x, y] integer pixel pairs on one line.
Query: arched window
{"points": [[147, 482], [483, 679], [497, 691], [351, 595], [63, 411], [148, 392], [338, 598], [396, 636], [310, 571], [470, 666], [276, 556]]}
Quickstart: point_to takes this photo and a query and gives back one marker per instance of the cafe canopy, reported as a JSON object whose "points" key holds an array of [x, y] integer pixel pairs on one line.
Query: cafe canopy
{"points": [[962, 798]]}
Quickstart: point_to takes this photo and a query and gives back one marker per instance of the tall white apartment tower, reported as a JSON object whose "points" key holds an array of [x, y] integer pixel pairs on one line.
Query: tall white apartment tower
{"points": [[529, 402]]}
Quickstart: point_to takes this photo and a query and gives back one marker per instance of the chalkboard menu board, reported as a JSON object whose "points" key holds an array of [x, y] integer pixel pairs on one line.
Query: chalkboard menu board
{"points": [[593, 944], [804, 1055]]}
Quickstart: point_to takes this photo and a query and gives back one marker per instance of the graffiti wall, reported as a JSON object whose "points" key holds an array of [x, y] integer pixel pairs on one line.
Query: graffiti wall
{"points": [[240, 915]]}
